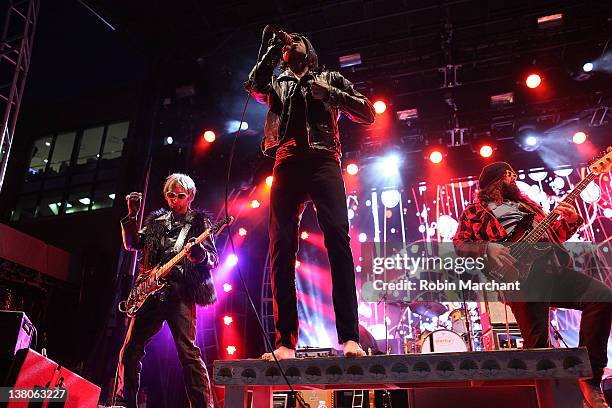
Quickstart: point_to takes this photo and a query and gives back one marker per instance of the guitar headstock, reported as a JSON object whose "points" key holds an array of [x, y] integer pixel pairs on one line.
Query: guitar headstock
{"points": [[219, 225], [603, 162]]}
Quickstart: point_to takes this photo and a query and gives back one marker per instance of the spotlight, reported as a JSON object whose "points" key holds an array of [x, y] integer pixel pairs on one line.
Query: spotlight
{"points": [[242, 231], [579, 137], [232, 260], [227, 287], [269, 181], [390, 165], [587, 67], [167, 141], [227, 320], [352, 169], [436, 156], [231, 350], [486, 150], [304, 235], [254, 204], [531, 141], [528, 138], [210, 136], [380, 107], [533, 81]]}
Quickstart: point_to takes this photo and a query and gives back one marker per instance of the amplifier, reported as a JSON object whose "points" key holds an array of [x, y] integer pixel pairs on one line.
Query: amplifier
{"points": [[17, 332], [496, 338], [33, 371], [494, 313]]}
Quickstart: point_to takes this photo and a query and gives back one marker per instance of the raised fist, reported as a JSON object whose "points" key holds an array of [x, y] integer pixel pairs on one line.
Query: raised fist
{"points": [[133, 202]]}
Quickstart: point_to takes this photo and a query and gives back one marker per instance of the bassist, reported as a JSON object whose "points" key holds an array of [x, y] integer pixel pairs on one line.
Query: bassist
{"points": [[499, 210], [190, 283]]}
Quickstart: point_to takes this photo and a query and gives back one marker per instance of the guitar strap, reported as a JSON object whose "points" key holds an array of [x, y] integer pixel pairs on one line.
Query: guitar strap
{"points": [[180, 240]]}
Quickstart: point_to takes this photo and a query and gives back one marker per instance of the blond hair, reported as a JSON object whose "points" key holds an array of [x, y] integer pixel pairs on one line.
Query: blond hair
{"points": [[183, 180]]}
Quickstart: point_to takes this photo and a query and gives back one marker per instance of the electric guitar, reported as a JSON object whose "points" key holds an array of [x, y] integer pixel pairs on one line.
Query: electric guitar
{"points": [[152, 280], [525, 246]]}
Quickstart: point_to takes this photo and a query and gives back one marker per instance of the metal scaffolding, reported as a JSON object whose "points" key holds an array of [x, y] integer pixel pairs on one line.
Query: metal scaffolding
{"points": [[15, 52]]}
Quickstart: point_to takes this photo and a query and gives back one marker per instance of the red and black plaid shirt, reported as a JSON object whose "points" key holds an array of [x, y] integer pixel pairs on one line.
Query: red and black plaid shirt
{"points": [[478, 226]]}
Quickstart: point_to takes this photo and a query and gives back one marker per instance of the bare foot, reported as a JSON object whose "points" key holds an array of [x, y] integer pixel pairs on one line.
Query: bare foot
{"points": [[353, 349], [282, 353]]}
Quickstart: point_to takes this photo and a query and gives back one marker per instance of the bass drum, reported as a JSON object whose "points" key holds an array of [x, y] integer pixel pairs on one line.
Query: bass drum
{"points": [[442, 341]]}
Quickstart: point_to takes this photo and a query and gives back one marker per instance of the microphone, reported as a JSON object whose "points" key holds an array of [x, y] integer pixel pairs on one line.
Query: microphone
{"points": [[280, 34]]}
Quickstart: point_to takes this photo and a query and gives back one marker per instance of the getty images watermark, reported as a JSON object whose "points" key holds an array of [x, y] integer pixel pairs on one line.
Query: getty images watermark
{"points": [[438, 271], [424, 271]]}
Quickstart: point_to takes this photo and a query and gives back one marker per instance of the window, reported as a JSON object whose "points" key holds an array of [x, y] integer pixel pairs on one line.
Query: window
{"points": [[87, 161], [90, 145], [62, 152]]}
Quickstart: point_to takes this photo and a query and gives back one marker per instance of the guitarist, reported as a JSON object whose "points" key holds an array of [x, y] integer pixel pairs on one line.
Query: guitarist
{"points": [[190, 283], [498, 210]]}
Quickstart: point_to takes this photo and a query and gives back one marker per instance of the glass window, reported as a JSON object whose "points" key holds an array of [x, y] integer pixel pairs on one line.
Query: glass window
{"points": [[25, 209], [62, 152], [90, 145], [115, 136], [78, 199], [50, 204], [104, 196], [39, 157]]}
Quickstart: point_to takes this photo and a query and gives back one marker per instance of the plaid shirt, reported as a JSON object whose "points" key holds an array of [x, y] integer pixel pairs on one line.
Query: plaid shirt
{"points": [[478, 226]]}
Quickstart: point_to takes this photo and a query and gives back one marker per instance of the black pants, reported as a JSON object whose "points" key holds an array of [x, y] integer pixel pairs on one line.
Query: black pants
{"points": [[294, 180], [181, 319], [569, 290]]}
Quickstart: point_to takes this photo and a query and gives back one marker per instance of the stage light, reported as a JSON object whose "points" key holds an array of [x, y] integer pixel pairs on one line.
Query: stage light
{"points": [[254, 204], [390, 164], [269, 181], [531, 141], [227, 287], [232, 260], [363, 237], [528, 138], [436, 156], [210, 136], [579, 137], [231, 126], [297, 263], [352, 169], [85, 201], [168, 140], [380, 107], [533, 81], [227, 320], [486, 151], [230, 350], [587, 67], [242, 231], [390, 198], [304, 235]]}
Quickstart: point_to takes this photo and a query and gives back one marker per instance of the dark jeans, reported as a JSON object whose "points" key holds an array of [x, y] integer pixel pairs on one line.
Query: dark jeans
{"points": [[569, 290], [181, 319], [295, 179]]}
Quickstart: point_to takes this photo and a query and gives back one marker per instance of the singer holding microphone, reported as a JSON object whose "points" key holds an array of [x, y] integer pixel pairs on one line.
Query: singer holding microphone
{"points": [[301, 134]]}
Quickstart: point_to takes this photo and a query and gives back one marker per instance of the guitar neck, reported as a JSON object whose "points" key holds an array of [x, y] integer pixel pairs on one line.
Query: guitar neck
{"points": [[535, 235], [167, 267]]}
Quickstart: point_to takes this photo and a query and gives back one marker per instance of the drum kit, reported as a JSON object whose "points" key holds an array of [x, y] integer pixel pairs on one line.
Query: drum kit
{"points": [[424, 331]]}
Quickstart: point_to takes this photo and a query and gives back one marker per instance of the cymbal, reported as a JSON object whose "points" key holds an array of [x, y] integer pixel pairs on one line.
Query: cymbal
{"points": [[427, 309]]}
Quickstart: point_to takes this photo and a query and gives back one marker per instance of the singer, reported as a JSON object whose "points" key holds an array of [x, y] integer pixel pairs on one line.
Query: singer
{"points": [[301, 134]]}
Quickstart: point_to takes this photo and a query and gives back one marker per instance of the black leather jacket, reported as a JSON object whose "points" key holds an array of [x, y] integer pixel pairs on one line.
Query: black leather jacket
{"points": [[322, 115]]}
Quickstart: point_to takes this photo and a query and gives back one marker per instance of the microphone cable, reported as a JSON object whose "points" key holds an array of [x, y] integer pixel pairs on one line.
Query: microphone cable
{"points": [[267, 342]]}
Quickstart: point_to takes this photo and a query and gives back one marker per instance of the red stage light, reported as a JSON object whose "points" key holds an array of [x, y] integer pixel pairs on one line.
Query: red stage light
{"points": [[227, 287], [242, 231], [209, 136], [255, 204], [533, 81], [304, 235], [579, 137], [352, 169], [269, 181], [435, 156], [230, 350], [227, 320], [380, 107], [486, 151]]}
